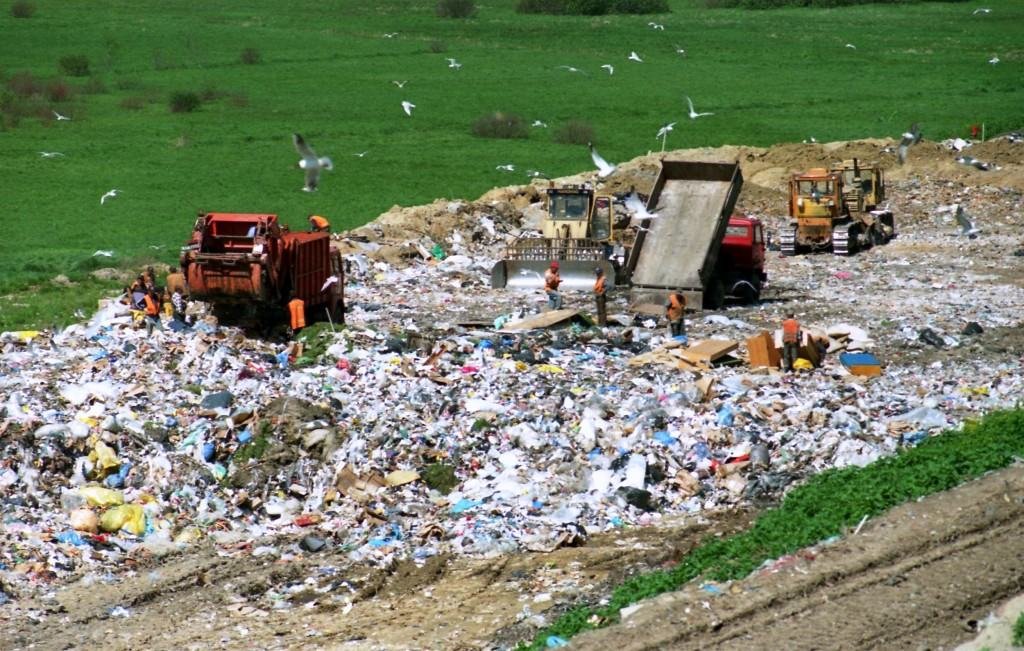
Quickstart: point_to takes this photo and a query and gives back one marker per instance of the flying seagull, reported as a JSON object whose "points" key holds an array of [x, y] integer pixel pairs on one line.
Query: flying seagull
{"points": [[967, 226], [408, 107], [50, 154], [60, 117], [104, 253], [572, 69], [911, 137], [812, 139], [604, 168], [694, 114], [994, 60], [108, 195], [974, 162], [509, 167], [680, 51], [541, 124], [636, 206], [533, 174], [656, 26], [452, 63], [981, 10], [311, 163], [360, 154], [400, 84], [851, 46], [610, 68], [633, 56], [390, 34], [663, 133]]}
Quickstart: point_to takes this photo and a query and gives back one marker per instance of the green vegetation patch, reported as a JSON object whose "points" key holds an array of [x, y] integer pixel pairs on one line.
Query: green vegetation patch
{"points": [[824, 507], [441, 477], [1018, 631]]}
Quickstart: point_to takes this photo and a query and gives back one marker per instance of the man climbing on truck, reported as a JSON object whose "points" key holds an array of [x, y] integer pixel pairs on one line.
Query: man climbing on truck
{"points": [[318, 224]]}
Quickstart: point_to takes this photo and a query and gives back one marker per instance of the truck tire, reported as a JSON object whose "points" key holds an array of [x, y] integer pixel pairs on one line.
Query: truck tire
{"points": [[714, 294]]}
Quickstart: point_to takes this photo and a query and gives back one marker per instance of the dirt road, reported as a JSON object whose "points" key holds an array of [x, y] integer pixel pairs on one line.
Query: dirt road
{"points": [[920, 577]]}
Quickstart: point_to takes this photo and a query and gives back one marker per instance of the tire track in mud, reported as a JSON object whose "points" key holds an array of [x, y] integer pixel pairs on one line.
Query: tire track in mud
{"points": [[912, 578]]}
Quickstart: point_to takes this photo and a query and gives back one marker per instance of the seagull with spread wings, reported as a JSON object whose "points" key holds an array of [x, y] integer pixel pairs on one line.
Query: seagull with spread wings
{"points": [[604, 168], [909, 138], [310, 163], [694, 114]]}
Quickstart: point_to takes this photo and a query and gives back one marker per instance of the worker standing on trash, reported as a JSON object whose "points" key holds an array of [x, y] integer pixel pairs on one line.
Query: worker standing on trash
{"points": [[297, 315], [318, 224], [600, 297], [674, 311], [551, 282], [152, 301], [791, 337], [179, 305]]}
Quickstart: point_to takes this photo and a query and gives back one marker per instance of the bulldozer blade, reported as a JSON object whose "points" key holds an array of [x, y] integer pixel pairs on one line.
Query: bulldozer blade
{"points": [[525, 274]]}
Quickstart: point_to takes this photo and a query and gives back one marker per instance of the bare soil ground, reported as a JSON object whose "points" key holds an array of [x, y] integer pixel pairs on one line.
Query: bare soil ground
{"points": [[921, 577]]}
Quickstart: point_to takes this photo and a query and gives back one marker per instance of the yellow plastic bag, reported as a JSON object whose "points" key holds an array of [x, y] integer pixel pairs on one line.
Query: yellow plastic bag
{"points": [[104, 459], [129, 517], [550, 368], [802, 364], [99, 496]]}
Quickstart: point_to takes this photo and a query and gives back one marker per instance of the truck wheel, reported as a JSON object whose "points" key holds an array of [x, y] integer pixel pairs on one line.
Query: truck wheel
{"points": [[714, 294]]}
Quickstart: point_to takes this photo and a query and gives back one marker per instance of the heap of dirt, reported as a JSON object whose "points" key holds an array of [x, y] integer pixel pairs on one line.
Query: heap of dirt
{"points": [[766, 172]]}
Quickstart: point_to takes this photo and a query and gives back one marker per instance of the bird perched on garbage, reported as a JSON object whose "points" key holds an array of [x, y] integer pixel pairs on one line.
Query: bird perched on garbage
{"points": [[974, 162], [911, 137], [967, 227], [604, 168], [311, 163]]}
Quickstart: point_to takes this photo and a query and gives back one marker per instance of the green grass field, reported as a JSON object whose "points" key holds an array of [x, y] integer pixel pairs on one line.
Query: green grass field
{"points": [[326, 71]]}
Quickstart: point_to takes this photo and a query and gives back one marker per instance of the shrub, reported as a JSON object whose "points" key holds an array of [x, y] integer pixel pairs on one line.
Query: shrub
{"points": [[211, 93], [250, 56], [22, 9], [437, 47], [94, 86], [184, 102], [456, 8], [574, 132], [639, 7], [1018, 631], [239, 100], [74, 65], [58, 90], [24, 84], [554, 7], [133, 102], [586, 7], [596, 7], [500, 125]]}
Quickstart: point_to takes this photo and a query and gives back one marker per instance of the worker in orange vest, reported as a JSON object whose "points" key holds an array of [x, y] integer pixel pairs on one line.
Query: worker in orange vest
{"points": [[551, 282], [791, 337], [297, 314], [674, 311], [152, 302], [600, 297], [318, 224]]}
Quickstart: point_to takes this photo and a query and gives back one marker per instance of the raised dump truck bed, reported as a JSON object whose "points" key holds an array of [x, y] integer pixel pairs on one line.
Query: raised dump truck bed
{"points": [[679, 251]]}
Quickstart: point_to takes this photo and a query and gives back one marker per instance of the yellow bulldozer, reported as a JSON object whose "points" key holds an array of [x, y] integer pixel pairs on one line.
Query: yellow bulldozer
{"points": [[581, 230], [837, 209]]}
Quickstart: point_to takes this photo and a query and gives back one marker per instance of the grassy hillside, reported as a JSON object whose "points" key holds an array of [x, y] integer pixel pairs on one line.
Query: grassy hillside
{"points": [[326, 71]]}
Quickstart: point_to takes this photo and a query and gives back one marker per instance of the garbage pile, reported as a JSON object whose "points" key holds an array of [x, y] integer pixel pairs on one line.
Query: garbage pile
{"points": [[430, 425]]}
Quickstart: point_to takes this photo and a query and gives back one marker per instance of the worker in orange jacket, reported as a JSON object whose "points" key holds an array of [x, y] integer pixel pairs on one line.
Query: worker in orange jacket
{"points": [[551, 282], [791, 337], [600, 297], [674, 311], [152, 302], [297, 315], [318, 224]]}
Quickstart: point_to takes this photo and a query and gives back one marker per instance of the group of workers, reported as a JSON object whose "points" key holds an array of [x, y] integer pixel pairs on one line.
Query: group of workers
{"points": [[144, 296], [675, 311]]}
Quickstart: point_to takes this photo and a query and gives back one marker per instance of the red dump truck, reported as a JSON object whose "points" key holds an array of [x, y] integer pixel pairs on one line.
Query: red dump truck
{"points": [[242, 262]]}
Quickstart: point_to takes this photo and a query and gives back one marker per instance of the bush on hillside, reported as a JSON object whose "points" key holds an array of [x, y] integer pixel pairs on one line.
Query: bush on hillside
{"points": [[456, 8], [94, 86], [24, 84], [592, 7], [574, 132], [500, 125], [22, 9], [58, 90], [250, 56], [74, 65], [774, 4], [184, 102]]}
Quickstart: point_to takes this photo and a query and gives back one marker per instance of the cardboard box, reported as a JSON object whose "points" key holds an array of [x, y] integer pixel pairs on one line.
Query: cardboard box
{"points": [[761, 350]]}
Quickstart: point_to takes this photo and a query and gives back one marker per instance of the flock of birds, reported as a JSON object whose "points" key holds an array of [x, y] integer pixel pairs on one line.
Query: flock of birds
{"points": [[313, 165]]}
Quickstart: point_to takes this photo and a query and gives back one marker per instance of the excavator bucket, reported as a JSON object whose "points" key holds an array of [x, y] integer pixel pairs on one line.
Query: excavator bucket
{"points": [[529, 274]]}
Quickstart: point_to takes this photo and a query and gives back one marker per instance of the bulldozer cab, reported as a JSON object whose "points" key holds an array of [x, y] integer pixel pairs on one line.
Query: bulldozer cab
{"points": [[574, 212], [818, 193], [863, 186]]}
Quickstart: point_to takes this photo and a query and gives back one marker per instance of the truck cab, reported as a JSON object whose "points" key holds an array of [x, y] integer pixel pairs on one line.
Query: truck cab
{"points": [[741, 258]]}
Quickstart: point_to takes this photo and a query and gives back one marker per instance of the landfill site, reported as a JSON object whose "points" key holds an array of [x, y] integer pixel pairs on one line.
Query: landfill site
{"points": [[456, 464]]}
